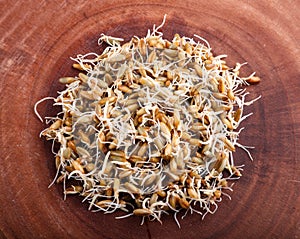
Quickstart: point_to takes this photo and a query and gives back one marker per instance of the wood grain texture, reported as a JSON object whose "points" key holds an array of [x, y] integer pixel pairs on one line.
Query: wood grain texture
{"points": [[37, 39]]}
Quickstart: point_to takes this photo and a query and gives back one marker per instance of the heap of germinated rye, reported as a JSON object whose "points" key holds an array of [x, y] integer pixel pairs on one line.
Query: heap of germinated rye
{"points": [[149, 127]]}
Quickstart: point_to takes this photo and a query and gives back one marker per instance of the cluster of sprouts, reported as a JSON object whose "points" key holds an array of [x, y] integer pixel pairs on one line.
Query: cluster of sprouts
{"points": [[150, 126]]}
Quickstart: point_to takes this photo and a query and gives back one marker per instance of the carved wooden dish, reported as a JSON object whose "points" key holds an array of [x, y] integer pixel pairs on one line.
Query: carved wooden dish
{"points": [[38, 37]]}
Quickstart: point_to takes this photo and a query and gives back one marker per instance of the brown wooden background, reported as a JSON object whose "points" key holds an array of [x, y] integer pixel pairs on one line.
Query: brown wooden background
{"points": [[37, 39]]}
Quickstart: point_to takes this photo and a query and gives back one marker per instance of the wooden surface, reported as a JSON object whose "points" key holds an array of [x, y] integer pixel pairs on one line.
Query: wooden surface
{"points": [[37, 39]]}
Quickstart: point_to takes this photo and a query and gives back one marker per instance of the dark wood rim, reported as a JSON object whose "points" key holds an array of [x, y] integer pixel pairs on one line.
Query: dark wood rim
{"points": [[39, 37]]}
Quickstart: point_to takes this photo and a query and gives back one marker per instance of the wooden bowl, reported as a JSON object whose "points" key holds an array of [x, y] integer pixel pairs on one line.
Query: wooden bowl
{"points": [[38, 37]]}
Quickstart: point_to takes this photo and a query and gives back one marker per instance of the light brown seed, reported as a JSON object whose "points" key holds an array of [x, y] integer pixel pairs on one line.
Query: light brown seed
{"points": [[167, 83], [84, 137], [227, 123], [181, 56], [128, 102], [147, 81], [184, 203], [176, 116], [155, 159], [152, 41], [170, 52], [188, 48], [253, 80], [196, 142], [206, 148], [159, 143], [67, 80], [230, 94], [109, 192], [117, 57], [168, 149], [173, 200], [68, 129], [133, 108], [108, 78], [135, 159], [119, 153], [185, 136], [198, 70], [102, 182], [67, 153], [175, 139], [198, 127], [84, 78], [125, 173], [57, 161], [150, 180], [173, 166], [151, 57], [77, 166], [104, 203], [161, 193], [69, 168], [108, 168], [142, 46], [192, 193], [142, 212], [169, 76], [217, 193], [159, 45], [224, 67], [165, 130], [107, 99], [219, 96], [56, 124], [174, 176], [162, 117], [237, 115], [143, 149], [221, 86], [114, 144], [221, 162], [90, 167], [125, 89], [209, 66], [194, 174], [87, 95], [101, 139], [142, 131], [131, 188], [102, 84], [236, 171], [228, 144], [68, 121], [197, 160], [116, 113], [116, 186], [141, 111], [79, 67], [142, 71], [223, 183], [179, 160], [98, 110], [153, 198], [121, 71]]}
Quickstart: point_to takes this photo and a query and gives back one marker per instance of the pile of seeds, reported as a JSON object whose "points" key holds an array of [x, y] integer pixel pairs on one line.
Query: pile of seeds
{"points": [[149, 126]]}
